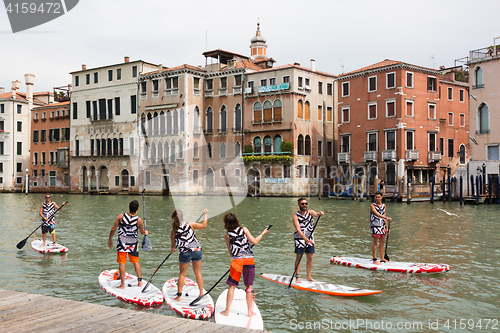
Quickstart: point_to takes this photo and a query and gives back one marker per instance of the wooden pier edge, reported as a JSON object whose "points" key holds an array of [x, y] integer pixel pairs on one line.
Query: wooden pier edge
{"points": [[23, 312]]}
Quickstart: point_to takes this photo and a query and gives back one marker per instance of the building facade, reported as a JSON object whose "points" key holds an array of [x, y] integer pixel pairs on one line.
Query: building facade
{"points": [[105, 145], [399, 121]]}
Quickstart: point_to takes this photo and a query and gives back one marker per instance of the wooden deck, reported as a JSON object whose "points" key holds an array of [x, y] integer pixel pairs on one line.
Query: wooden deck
{"points": [[22, 312]]}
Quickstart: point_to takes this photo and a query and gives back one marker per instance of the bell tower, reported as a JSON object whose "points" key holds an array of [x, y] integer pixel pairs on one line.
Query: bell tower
{"points": [[258, 46]]}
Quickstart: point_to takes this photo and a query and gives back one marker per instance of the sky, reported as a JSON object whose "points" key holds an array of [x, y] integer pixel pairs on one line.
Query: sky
{"points": [[341, 35]]}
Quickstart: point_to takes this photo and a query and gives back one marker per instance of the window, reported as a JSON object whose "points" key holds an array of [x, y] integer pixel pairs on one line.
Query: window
{"points": [[432, 142], [345, 89], [441, 146], [432, 111], [372, 142], [19, 180], [329, 113], [19, 109], [77, 81], [110, 75], [451, 150], [42, 136], [223, 82], [19, 148], [278, 113], [237, 172], [87, 105], [300, 145], [44, 115], [390, 140], [461, 95], [110, 109], [372, 84], [237, 81], [286, 171], [478, 78], [42, 162], [286, 79], [36, 115], [196, 83], [320, 112], [118, 73], [431, 83], [307, 85], [493, 153], [134, 71], [391, 174], [209, 84], [409, 79], [117, 106], [96, 77], [409, 108], [272, 81], [300, 111], [117, 181], [391, 80], [307, 145], [329, 89], [320, 87], [277, 143], [75, 110], [268, 111], [320, 148], [237, 149], [257, 113], [300, 82], [450, 118], [87, 78], [462, 120], [372, 111], [346, 114], [390, 108], [263, 82], [19, 167], [484, 119], [329, 148], [155, 87], [2, 149], [257, 145], [306, 111], [35, 134], [450, 93], [345, 144], [42, 172], [409, 140], [19, 126], [2, 108], [51, 114], [133, 104], [35, 173], [51, 158], [148, 177]]}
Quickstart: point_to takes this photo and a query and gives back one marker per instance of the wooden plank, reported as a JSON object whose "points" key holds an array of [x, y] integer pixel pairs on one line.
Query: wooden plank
{"points": [[11, 300], [6, 293], [97, 322], [27, 311]]}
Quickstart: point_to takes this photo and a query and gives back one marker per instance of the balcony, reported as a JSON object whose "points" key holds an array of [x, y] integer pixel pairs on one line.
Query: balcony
{"points": [[268, 157], [209, 93], [223, 91], [237, 90], [208, 131], [196, 92], [172, 91], [411, 155], [434, 156], [389, 155], [236, 129], [222, 130], [371, 156], [478, 86], [96, 153], [344, 157]]}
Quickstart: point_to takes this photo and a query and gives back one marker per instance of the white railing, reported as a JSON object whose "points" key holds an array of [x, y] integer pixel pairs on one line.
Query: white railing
{"points": [[344, 157]]}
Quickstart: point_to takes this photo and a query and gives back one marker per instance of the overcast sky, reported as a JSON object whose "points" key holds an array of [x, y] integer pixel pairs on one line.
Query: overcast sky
{"points": [[340, 35]]}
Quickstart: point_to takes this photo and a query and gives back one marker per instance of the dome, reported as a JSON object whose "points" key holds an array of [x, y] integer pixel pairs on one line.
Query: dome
{"points": [[258, 37]]}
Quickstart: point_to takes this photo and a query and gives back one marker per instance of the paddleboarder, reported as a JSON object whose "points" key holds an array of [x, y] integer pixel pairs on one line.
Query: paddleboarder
{"points": [[303, 223], [379, 227], [127, 243], [237, 239], [183, 236], [47, 211]]}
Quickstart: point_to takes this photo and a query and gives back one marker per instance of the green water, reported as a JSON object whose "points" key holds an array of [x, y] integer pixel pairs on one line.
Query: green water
{"points": [[420, 232]]}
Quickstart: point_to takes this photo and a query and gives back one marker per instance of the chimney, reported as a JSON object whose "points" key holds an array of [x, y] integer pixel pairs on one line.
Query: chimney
{"points": [[30, 81], [15, 86], [126, 59], [313, 65], [296, 63], [160, 68], [84, 67], [2, 90]]}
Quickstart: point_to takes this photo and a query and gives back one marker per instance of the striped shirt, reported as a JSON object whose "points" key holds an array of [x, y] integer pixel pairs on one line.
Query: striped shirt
{"points": [[306, 226], [376, 221], [186, 239], [127, 234], [238, 243], [48, 211]]}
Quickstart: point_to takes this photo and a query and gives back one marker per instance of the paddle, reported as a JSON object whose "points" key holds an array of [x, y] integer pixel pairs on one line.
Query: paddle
{"points": [[147, 285], [222, 277], [296, 267], [386, 257], [146, 243], [21, 244]]}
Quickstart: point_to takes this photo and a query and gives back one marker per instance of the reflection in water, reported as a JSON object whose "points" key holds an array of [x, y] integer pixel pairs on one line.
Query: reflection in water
{"points": [[419, 232]]}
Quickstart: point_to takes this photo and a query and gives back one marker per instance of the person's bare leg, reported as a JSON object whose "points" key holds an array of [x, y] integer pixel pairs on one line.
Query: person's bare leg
{"points": [[229, 300], [374, 250], [197, 273], [182, 277], [309, 266], [297, 262], [121, 269], [137, 268], [249, 298]]}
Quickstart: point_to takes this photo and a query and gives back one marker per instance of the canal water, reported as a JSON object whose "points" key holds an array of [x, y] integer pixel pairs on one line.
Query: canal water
{"points": [[464, 299]]}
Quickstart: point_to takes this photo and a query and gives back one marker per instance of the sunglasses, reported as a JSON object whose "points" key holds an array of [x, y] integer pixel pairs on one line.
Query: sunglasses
{"points": [[47, 197], [303, 204]]}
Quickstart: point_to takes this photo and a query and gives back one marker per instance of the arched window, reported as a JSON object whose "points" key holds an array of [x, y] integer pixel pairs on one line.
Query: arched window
{"points": [[237, 117], [146, 151], [120, 144], [162, 123], [478, 78], [268, 112], [277, 143], [223, 119], [153, 153], [278, 110], [268, 144], [181, 149], [160, 153], [167, 152], [149, 124], [462, 154], [196, 120], [172, 152], [169, 123], [300, 145], [222, 149], [257, 145], [143, 124], [181, 121], [77, 147], [308, 145], [306, 111], [210, 119], [209, 150], [176, 122], [300, 110], [156, 124], [237, 149], [115, 147], [196, 151], [484, 119], [257, 113]]}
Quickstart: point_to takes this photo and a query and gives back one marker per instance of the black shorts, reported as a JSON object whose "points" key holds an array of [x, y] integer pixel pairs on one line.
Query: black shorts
{"points": [[48, 228], [307, 249]]}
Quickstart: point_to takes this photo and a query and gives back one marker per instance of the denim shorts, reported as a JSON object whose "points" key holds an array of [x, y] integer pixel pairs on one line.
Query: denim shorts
{"points": [[187, 257], [307, 249]]}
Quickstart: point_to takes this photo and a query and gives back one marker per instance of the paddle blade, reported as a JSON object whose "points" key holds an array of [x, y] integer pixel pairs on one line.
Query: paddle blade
{"points": [[145, 287], [193, 303], [146, 244], [386, 257], [21, 244]]}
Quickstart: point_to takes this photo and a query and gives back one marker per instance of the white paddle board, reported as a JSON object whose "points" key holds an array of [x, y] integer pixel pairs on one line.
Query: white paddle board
{"points": [[203, 309], [238, 313], [400, 267], [320, 287], [132, 292], [49, 247]]}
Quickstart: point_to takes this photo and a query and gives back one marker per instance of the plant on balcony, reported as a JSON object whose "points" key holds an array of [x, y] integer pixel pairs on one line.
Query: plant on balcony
{"points": [[287, 147], [247, 149], [267, 158]]}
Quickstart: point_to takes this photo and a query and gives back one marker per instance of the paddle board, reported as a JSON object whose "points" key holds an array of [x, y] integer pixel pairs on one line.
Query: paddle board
{"points": [[238, 313], [132, 292], [203, 309], [320, 287], [401, 267], [48, 248]]}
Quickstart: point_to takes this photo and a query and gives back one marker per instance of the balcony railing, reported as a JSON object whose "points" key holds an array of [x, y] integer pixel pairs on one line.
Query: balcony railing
{"points": [[434, 156], [209, 93], [222, 130], [237, 90], [388, 155], [208, 131], [236, 129], [411, 155], [223, 91], [371, 156], [172, 91], [95, 153], [344, 157], [478, 86]]}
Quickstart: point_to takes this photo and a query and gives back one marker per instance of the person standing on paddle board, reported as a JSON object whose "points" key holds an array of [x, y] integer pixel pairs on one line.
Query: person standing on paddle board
{"points": [[183, 236], [127, 225], [303, 223], [379, 227], [237, 239], [47, 211]]}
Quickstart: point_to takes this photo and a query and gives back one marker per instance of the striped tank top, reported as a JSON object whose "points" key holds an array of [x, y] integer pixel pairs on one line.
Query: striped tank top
{"points": [[48, 212], [127, 234], [376, 221], [306, 226], [238, 243], [186, 239]]}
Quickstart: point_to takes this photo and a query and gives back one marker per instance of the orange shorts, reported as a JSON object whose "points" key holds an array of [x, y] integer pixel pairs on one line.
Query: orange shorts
{"points": [[133, 257], [239, 266]]}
